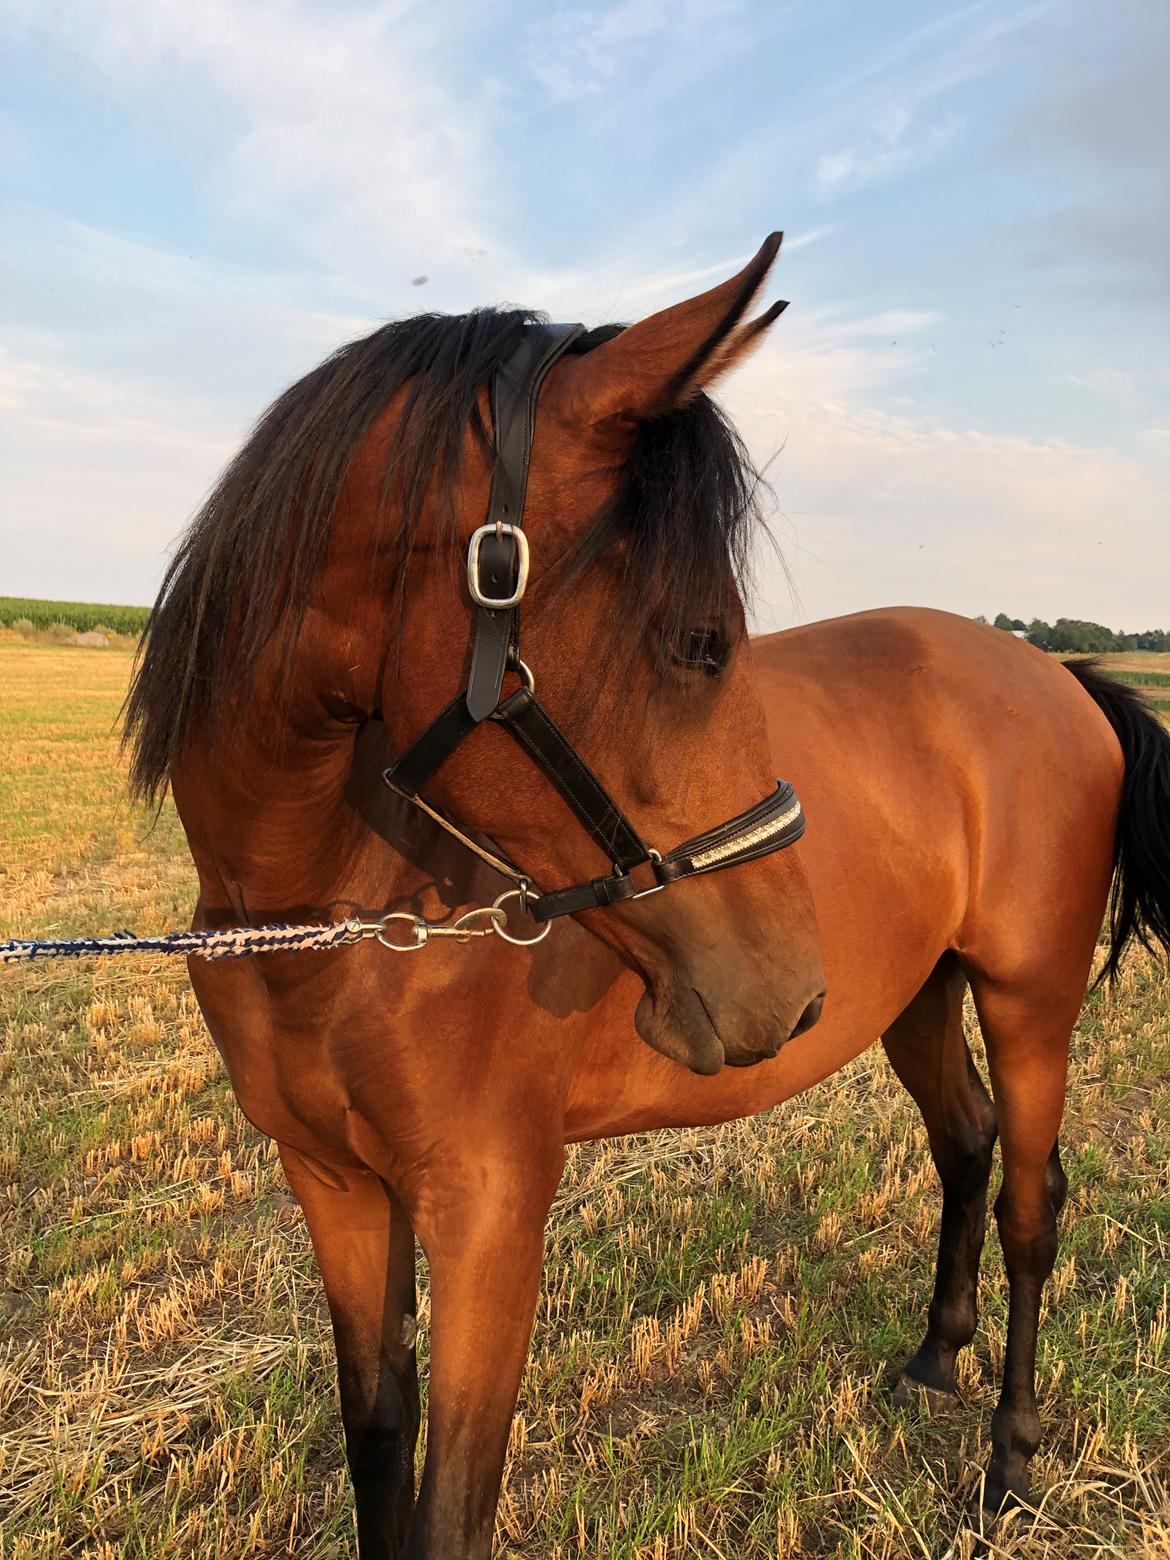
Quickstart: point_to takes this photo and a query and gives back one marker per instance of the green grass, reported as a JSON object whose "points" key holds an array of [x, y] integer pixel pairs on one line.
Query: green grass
{"points": [[721, 1308]]}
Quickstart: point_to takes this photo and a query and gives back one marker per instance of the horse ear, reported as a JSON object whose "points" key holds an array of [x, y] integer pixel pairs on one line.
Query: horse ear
{"points": [[739, 345], [663, 361]]}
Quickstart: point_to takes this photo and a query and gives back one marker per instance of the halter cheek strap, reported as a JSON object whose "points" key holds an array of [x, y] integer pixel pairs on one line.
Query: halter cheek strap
{"points": [[497, 574]]}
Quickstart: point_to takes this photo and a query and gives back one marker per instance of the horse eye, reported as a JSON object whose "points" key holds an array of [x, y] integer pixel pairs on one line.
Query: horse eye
{"points": [[704, 650]]}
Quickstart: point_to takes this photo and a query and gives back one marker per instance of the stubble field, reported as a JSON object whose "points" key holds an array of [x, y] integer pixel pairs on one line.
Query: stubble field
{"points": [[721, 1310]]}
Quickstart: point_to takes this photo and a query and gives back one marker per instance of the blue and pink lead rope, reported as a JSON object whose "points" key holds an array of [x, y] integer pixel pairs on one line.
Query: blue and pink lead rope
{"points": [[230, 942]]}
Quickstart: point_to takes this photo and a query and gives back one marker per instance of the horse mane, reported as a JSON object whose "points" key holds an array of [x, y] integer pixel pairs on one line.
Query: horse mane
{"points": [[245, 571]]}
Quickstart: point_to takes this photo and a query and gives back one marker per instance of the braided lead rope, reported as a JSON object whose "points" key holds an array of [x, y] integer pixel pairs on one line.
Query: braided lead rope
{"points": [[241, 942], [230, 942]]}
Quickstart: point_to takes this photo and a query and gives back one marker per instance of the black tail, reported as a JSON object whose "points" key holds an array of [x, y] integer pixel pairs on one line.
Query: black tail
{"points": [[1139, 906]]}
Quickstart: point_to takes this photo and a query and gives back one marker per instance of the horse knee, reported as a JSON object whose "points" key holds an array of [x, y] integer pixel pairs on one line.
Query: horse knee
{"points": [[1029, 1244], [394, 1412]]}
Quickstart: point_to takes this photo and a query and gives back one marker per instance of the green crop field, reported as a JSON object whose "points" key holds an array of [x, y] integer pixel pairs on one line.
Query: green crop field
{"points": [[721, 1310], [79, 615]]}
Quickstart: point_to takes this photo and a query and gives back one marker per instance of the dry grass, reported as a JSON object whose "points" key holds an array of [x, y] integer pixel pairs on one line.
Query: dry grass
{"points": [[1137, 661], [721, 1308]]}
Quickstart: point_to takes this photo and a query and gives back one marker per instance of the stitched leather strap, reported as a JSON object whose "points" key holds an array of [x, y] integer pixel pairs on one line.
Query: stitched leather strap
{"points": [[515, 388], [594, 895], [770, 825], [495, 628], [433, 748], [538, 734]]}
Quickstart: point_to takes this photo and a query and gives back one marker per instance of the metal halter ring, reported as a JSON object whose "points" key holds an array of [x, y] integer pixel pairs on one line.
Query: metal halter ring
{"points": [[520, 942], [523, 671]]}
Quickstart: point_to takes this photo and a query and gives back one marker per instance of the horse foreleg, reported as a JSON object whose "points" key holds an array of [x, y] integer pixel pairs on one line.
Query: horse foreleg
{"points": [[928, 1051], [365, 1250], [485, 1252], [1027, 1048]]}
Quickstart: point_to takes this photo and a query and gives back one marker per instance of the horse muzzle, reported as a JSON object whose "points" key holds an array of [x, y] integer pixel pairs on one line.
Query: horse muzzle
{"points": [[707, 1026]]}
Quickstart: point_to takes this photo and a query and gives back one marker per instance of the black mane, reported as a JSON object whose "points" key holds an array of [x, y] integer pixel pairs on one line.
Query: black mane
{"points": [[244, 573]]}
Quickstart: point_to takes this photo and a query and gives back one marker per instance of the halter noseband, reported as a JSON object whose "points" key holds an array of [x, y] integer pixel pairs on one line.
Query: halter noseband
{"points": [[497, 574]]}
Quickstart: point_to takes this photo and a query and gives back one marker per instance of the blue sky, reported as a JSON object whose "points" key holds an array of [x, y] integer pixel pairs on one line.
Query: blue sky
{"points": [[966, 406]]}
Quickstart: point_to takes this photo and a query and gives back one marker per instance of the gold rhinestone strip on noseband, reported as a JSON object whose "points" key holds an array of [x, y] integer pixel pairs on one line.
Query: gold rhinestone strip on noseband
{"points": [[744, 842]]}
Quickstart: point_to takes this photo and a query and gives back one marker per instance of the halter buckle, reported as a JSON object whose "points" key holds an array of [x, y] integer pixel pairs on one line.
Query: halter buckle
{"points": [[478, 537], [623, 873]]}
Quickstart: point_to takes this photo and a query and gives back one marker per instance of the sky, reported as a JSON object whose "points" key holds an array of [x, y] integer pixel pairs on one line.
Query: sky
{"points": [[967, 404]]}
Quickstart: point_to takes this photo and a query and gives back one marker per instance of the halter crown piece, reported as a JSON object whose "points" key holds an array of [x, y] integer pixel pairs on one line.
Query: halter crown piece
{"points": [[497, 574]]}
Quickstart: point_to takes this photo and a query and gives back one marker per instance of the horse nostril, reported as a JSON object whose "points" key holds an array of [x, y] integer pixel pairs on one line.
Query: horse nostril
{"points": [[810, 1015]]}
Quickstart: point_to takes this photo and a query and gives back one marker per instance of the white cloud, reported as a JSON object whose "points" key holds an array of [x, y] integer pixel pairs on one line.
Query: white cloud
{"points": [[889, 322], [894, 143], [97, 479], [849, 116], [577, 52], [337, 123], [876, 509], [810, 236], [41, 398]]}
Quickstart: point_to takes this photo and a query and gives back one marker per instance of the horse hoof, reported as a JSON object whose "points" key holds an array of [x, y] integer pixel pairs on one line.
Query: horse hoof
{"points": [[909, 1392]]}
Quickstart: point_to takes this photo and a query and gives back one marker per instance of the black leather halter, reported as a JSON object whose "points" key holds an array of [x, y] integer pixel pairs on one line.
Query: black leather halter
{"points": [[497, 573]]}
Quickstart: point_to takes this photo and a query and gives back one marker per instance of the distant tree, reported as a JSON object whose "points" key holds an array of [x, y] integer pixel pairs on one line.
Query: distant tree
{"points": [[1078, 637], [979, 618], [1040, 634]]}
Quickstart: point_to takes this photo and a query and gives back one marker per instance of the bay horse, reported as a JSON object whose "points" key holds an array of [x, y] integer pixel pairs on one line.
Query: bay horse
{"points": [[971, 803]]}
